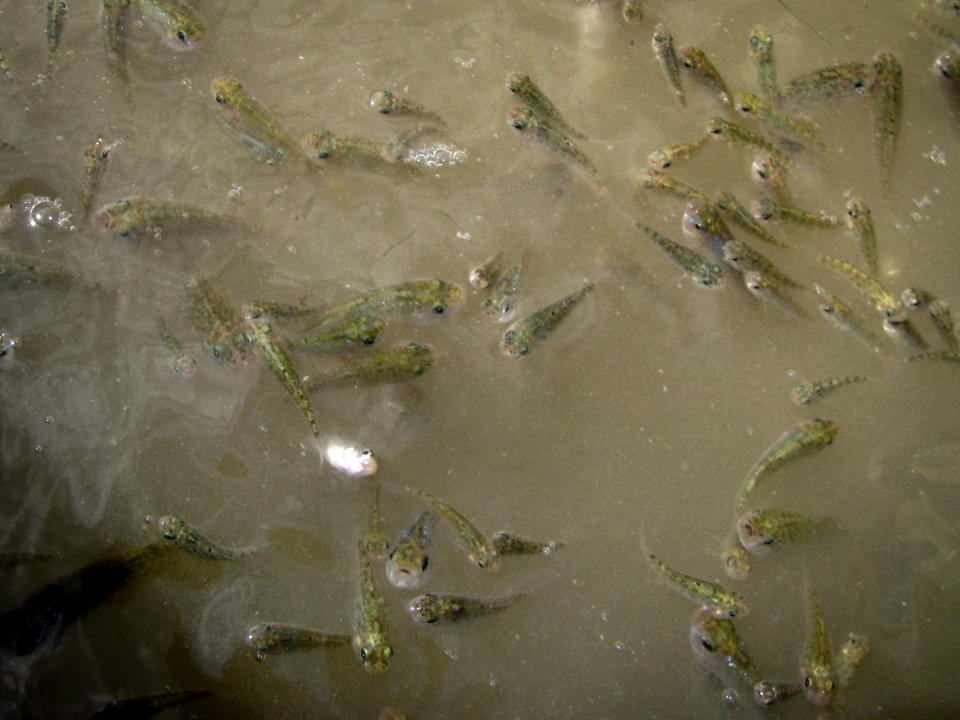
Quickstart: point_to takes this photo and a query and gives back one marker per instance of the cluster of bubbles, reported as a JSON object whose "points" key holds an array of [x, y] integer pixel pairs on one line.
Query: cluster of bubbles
{"points": [[438, 154], [41, 211]]}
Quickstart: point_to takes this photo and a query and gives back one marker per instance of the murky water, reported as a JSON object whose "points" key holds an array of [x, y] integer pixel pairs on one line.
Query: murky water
{"points": [[641, 414]]}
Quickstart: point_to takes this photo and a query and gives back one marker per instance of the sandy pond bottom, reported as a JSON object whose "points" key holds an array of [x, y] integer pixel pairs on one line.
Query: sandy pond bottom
{"points": [[642, 412]]}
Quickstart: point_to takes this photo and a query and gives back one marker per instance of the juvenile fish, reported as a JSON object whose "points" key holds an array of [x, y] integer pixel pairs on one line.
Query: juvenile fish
{"points": [[632, 11], [276, 638], [388, 103], [763, 531], [144, 706], [886, 303], [177, 22], [850, 79], [720, 601], [906, 334], [362, 330], [915, 298], [703, 223], [763, 287], [508, 544], [768, 173], [535, 130], [395, 364], [407, 563], [371, 637], [740, 256], [947, 66], [840, 315], [797, 441], [500, 301], [806, 392], [948, 355], [350, 458], [353, 150], [252, 123], [738, 213], [486, 272], [772, 692], [148, 217], [735, 560], [113, 19], [56, 17], [940, 313], [183, 364], [415, 297], [666, 54], [524, 334], [178, 533], [695, 60], [5, 66], [96, 159], [751, 106], [533, 97], [886, 87], [18, 268], [770, 210], [761, 53], [216, 321], [480, 549], [701, 270], [259, 332], [656, 180], [850, 657], [816, 665], [665, 157], [860, 224], [432, 607], [718, 647], [732, 133]]}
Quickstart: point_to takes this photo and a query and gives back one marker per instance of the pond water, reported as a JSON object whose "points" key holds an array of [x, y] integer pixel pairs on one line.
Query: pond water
{"points": [[637, 420]]}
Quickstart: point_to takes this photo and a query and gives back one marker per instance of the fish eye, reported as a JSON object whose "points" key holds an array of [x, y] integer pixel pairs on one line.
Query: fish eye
{"points": [[365, 653], [387, 651], [708, 644], [808, 681], [438, 309], [181, 36], [220, 99], [423, 564]]}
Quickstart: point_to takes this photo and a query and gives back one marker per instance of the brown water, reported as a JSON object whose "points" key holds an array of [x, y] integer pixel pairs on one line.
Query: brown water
{"points": [[643, 411]]}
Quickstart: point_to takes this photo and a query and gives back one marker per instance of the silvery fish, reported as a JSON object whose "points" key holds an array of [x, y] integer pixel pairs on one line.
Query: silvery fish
{"points": [[96, 157], [656, 180], [487, 272], [350, 332], [771, 692], [408, 561], [509, 544], [480, 549], [394, 364], [695, 60], [183, 364], [774, 120], [149, 217], [374, 539], [276, 638], [350, 458], [433, 607], [737, 254], [850, 657], [177, 21], [523, 335], [806, 392], [56, 17], [770, 175], [531, 128], [702, 271], [886, 303], [738, 213], [840, 315], [252, 123], [178, 533], [665, 157], [217, 322], [414, 297], [849, 79], [17, 268], [666, 54], [763, 286], [860, 224], [113, 19], [718, 647], [500, 301], [733, 133], [534, 98], [770, 210]]}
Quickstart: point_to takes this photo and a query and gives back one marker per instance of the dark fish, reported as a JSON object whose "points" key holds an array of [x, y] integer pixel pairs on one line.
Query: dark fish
{"points": [[144, 706]]}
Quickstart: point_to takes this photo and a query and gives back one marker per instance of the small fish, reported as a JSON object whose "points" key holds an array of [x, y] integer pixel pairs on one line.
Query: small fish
{"points": [[632, 11], [96, 158], [703, 223], [148, 217], [860, 225], [906, 334], [886, 87], [938, 30], [524, 334], [667, 56], [735, 560], [840, 315], [56, 17], [433, 607], [533, 97], [761, 53], [772, 692], [374, 540], [806, 392], [388, 103], [144, 706], [738, 213], [940, 314], [216, 321], [5, 66], [948, 355], [371, 637], [718, 647], [480, 549], [731, 132], [395, 364], [797, 441], [768, 173], [850, 79], [259, 332], [695, 60], [276, 638], [535, 130], [178, 533], [886, 303], [407, 564], [183, 364], [770, 210], [486, 272], [915, 298], [352, 150], [701, 270], [113, 19], [177, 21], [18, 268], [415, 297], [500, 301], [508, 544], [252, 123], [947, 66], [352, 332], [774, 120], [850, 657], [740, 256], [763, 286], [816, 665], [763, 531], [721, 602], [656, 180], [350, 458], [665, 157]]}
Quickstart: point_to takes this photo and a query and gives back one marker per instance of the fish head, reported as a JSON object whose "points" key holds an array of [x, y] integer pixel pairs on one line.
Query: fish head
{"points": [[894, 311], [438, 296], [631, 12], [485, 559], [691, 57], [182, 31], [425, 608], [319, 144], [761, 42], [405, 569], [736, 563], [518, 83], [717, 127], [522, 119], [171, 527], [758, 284], [661, 36], [818, 683], [515, 344], [374, 653], [754, 535], [746, 104], [115, 218], [382, 101], [948, 65], [228, 94], [764, 209]]}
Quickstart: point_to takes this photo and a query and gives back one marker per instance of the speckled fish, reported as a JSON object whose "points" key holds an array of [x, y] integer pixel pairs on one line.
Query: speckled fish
{"points": [[96, 161], [774, 120], [703, 223], [738, 213], [772, 692], [770, 175], [886, 87], [259, 332], [352, 150], [666, 54], [533, 97], [770, 210], [58, 604], [5, 66], [859, 221], [761, 53], [840, 315], [216, 321], [177, 22], [371, 637], [696, 62], [415, 297], [178, 533], [731, 132], [252, 122], [656, 180], [940, 314], [816, 665], [886, 303], [765, 287], [632, 11], [388, 103], [763, 531], [665, 157], [850, 657], [183, 363], [806, 392], [501, 299], [434, 607], [144, 706], [525, 334], [18, 268], [721, 601], [113, 19], [350, 458], [718, 647], [395, 364], [351, 332], [149, 217], [277, 638], [797, 441], [486, 272], [740, 256], [56, 17], [702, 271], [535, 130], [849, 79], [509, 544], [947, 355], [480, 549], [374, 539], [408, 561]]}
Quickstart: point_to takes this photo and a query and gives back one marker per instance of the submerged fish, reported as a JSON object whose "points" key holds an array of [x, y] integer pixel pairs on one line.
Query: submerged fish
{"points": [[113, 19], [735, 560], [762, 531], [183, 364], [656, 180], [797, 441], [177, 21], [771, 175], [769, 210], [144, 706], [217, 323], [763, 286], [695, 60], [940, 314], [774, 120], [407, 563], [500, 301], [395, 364], [947, 355], [178, 533], [850, 657], [18, 268], [252, 123], [840, 315], [276, 638], [487, 272], [632, 11], [534, 98], [350, 458], [148, 217], [388, 103], [96, 157], [905, 333], [524, 334], [860, 225], [718, 647], [733, 133], [806, 392], [886, 303], [56, 17], [355, 150], [702, 271], [508, 544], [415, 297], [703, 223], [371, 637], [666, 53], [827, 83], [374, 540], [761, 53], [771, 692], [536, 130], [480, 549], [5, 66], [433, 607], [816, 665], [738, 213], [665, 157], [361, 330], [886, 86]]}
